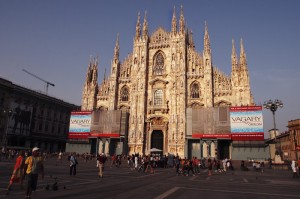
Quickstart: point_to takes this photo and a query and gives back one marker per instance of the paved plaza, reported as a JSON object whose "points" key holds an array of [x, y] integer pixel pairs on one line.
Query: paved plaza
{"points": [[164, 183]]}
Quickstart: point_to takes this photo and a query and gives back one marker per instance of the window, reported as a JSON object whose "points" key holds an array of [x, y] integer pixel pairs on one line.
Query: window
{"points": [[124, 94], [158, 97], [158, 68], [195, 90]]}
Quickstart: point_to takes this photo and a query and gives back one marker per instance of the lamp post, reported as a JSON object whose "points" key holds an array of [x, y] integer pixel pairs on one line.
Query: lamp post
{"points": [[295, 142], [273, 106]]}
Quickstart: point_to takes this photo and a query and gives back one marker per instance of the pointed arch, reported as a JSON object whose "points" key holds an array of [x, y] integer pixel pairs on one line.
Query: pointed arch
{"points": [[124, 94], [222, 103], [159, 63], [195, 90], [196, 105]]}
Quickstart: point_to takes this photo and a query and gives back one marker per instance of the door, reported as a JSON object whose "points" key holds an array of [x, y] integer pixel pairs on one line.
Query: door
{"points": [[157, 140]]}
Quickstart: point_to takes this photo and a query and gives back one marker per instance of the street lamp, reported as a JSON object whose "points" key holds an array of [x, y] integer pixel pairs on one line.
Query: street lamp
{"points": [[295, 143], [273, 106]]}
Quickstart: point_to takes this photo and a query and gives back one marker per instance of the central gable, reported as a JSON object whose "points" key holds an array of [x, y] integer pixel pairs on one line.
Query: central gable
{"points": [[160, 36]]}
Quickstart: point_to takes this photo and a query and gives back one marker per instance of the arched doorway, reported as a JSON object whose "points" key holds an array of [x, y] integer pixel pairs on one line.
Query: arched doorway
{"points": [[157, 139]]}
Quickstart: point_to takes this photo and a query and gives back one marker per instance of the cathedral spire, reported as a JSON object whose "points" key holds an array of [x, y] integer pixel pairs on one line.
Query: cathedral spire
{"points": [[104, 77], [234, 60], [243, 59], [207, 49], [181, 22], [117, 49], [145, 26], [191, 39], [95, 70], [174, 23], [138, 27]]}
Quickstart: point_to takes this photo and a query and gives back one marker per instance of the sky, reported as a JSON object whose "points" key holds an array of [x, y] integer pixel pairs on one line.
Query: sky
{"points": [[55, 39]]}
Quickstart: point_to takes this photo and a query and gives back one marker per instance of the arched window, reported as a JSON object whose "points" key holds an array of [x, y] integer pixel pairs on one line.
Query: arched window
{"points": [[158, 68], [158, 97], [124, 94], [195, 91]]}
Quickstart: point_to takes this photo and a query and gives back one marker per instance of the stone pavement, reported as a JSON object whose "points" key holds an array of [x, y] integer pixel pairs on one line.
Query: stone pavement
{"points": [[164, 183]]}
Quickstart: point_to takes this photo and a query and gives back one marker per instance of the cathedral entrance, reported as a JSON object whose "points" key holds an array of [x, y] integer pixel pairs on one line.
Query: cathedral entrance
{"points": [[223, 149], [157, 139]]}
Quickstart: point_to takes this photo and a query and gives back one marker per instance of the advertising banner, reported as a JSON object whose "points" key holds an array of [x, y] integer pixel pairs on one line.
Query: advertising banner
{"points": [[80, 124], [19, 119], [246, 123], [106, 123]]}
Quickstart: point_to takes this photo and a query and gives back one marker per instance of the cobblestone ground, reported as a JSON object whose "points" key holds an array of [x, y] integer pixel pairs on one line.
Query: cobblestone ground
{"points": [[164, 183]]}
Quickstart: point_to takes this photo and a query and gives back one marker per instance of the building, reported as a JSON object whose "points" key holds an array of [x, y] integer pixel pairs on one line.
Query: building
{"points": [[29, 118], [294, 138], [287, 143], [161, 80]]}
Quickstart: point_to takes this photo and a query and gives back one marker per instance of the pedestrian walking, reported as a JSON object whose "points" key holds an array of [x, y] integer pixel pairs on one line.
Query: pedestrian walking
{"points": [[196, 163], [177, 164], [209, 167], [18, 172], [101, 162], [35, 165], [59, 158], [73, 164], [294, 169], [224, 163]]}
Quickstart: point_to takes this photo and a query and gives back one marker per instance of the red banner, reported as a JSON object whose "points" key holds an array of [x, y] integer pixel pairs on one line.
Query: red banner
{"points": [[78, 135], [104, 134], [233, 136], [215, 136], [245, 108], [247, 136]]}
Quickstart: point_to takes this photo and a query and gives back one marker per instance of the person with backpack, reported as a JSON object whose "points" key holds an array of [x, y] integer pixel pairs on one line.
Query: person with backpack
{"points": [[73, 164]]}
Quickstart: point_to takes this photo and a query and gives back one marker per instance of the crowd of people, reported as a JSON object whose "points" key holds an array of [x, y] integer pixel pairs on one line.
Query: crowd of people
{"points": [[30, 163]]}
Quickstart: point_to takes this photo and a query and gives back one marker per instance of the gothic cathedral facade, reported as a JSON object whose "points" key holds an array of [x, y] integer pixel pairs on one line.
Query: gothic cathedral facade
{"points": [[162, 77]]}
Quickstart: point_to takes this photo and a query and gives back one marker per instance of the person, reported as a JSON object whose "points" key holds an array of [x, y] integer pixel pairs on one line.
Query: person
{"points": [[35, 165], [243, 167], [73, 164], [189, 166], [294, 169], [298, 164], [59, 156], [209, 167], [224, 163], [113, 160], [177, 164], [18, 172], [196, 163], [101, 161]]}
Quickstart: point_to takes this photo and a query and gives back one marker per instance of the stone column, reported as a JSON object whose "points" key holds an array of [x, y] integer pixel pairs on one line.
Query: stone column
{"points": [[106, 149], [100, 149], [201, 148]]}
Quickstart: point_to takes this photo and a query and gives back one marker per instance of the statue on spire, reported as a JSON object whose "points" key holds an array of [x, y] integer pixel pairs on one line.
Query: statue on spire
{"points": [[138, 27], [181, 22], [145, 26], [174, 23]]}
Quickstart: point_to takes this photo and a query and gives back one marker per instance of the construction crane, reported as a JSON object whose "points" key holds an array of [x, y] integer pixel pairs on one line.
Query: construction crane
{"points": [[47, 83]]}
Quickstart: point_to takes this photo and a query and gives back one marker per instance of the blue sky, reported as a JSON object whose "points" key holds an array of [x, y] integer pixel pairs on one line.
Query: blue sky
{"points": [[54, 40]]}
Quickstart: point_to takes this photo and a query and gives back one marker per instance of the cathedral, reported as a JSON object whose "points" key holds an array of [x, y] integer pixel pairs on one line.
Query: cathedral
{"points": [[160, 80]]}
